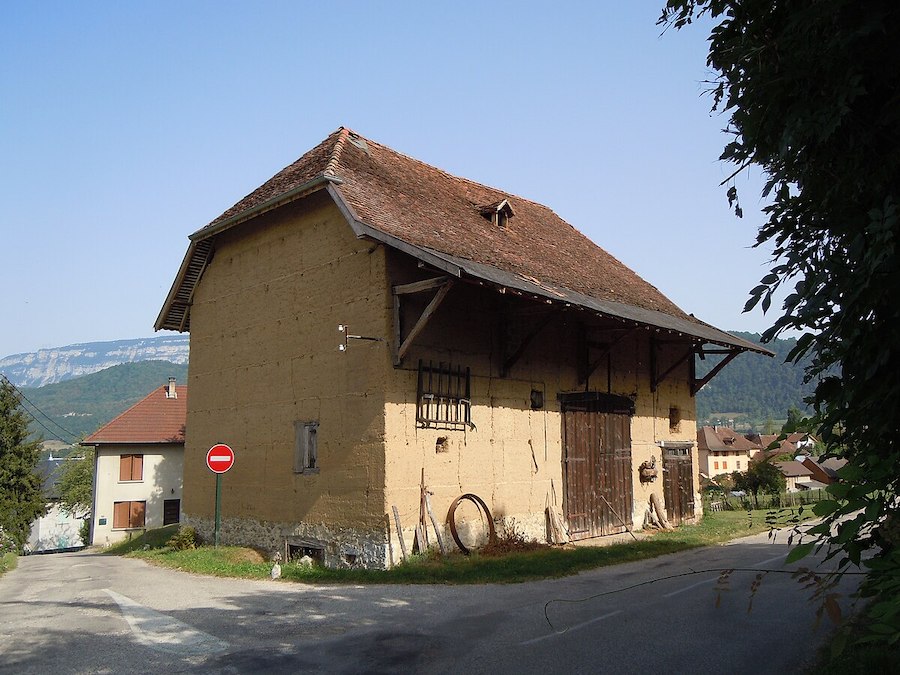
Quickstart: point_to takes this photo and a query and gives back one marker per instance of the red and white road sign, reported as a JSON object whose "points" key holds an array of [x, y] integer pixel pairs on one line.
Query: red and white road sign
{"points": [[220, 458]]}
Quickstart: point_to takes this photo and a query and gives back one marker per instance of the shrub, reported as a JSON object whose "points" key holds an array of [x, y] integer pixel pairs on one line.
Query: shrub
{"points": [[511, 540], [7, 543], [84, 531], [186, 538]]}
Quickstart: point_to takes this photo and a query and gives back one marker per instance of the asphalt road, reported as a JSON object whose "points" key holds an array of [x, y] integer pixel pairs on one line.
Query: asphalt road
{"points": [[87, 613]]}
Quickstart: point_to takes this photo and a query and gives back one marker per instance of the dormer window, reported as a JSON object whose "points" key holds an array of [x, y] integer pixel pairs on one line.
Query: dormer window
{"points": [[498, 213]]}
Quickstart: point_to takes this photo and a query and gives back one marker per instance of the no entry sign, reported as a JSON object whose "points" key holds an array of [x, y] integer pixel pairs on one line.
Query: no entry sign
{"points": [[220, 458]]}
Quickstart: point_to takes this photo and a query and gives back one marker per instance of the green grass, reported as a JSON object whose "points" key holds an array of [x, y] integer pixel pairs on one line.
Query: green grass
{"points": [[452, 569], [154, 539], [8, 561]]}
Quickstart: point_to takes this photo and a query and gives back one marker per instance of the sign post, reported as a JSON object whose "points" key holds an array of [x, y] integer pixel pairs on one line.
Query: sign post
{"points": [[219, 459]]}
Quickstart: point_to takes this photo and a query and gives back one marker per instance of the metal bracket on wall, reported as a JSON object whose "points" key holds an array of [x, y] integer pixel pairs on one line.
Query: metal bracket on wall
{"points": [[344, 329]]}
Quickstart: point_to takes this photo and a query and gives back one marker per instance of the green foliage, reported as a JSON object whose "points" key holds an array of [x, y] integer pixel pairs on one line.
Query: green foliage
{"points": [[148, 539], [84, 531], [76, 484], [21, 493], [755, 388], [812, 95], [795, 421], [84, 404], [7, 543], [761, 476], [8, 561], [186, 538]]}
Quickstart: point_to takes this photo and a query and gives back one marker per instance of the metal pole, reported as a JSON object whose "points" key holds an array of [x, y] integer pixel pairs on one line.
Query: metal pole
{"points": [[218, 505]]}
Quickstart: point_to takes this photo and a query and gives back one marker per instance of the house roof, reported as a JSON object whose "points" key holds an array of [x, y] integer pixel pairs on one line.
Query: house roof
{"points": [[829, 466], [793, 469], [154, 419], [723, 439], [444, 221]]}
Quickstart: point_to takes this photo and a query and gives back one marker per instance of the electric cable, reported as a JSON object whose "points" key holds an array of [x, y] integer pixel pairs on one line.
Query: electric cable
{"points": [[32, 416]]}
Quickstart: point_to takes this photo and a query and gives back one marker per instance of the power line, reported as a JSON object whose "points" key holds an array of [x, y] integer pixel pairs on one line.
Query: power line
{"points": [[45, 427]]}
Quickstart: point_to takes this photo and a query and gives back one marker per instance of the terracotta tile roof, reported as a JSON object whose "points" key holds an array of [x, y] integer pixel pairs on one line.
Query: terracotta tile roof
{"points": [[427, 207], [405, 202], [793, 469], [153, 419], [723, 438]]}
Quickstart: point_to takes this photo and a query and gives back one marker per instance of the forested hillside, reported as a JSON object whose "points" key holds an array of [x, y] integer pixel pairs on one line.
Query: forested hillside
{"points": [[753, 388], [753, 391], [79, 407]]}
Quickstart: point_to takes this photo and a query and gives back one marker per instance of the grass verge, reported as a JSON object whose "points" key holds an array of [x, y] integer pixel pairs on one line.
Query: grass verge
{"points": [[511, 567], [8, 561]]}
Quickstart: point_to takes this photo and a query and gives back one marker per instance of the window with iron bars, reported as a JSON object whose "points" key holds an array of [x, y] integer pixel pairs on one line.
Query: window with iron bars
{"points": [[443, 399]]}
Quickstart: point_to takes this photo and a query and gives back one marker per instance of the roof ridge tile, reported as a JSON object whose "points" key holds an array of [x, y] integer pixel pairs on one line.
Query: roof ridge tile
{"points": [[337, 149]]}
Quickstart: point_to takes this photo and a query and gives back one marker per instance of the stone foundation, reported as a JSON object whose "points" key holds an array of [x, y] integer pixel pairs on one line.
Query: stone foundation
{"points": [[333, 546]]}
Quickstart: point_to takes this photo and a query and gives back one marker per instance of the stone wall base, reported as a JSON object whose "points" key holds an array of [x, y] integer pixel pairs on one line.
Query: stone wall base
{"points": [[332, 545]]}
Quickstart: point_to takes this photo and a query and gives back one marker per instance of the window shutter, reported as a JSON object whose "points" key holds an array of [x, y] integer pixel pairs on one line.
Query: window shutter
{"points": [[120, 514], [125, 467], [137, 514], [137, 467]]}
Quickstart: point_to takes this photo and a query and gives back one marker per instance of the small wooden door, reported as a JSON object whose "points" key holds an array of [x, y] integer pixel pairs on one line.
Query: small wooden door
{"points": [[678, 485], [171, 511], [597, 472]]}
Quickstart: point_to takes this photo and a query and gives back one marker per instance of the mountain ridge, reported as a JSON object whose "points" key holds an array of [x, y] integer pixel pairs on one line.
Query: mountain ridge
{"points": [[58, 364]]}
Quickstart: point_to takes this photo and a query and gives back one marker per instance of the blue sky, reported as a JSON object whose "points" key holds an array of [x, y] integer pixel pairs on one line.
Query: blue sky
{"points": [[125, 126]]}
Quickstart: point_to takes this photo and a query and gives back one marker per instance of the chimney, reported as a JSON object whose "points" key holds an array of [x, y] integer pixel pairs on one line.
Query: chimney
{"points": [[170, 389]]}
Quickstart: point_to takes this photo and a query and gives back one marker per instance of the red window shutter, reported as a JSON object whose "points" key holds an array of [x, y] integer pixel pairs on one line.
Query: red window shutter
{"points": [[120, 514], [137, 514], [137, 467], [125, 467]]}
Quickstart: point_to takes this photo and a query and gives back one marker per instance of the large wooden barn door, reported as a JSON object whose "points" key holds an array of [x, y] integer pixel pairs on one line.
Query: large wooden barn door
{"points": [[597, 472], [678, 485]]}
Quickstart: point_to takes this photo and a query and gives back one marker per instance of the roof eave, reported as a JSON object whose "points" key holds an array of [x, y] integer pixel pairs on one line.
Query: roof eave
{"points": [[316, 183], [97, 444]]}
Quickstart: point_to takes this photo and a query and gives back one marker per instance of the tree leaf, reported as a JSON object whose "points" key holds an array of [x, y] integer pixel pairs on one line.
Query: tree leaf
{"points": [[799, 551]]}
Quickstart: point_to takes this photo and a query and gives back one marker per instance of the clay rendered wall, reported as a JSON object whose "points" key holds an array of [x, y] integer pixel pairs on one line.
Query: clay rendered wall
{"points": [[651, 425], [512, 458], [264, 355]]}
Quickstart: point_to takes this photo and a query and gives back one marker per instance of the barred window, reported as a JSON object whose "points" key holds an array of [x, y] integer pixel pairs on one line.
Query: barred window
{"points": [[443, 399]]}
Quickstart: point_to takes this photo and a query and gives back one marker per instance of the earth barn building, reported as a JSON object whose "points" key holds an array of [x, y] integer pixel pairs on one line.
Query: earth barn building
{"points": [[485, 346]]}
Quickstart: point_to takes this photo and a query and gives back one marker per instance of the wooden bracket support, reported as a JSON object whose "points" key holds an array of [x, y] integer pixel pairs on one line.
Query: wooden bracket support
{"points": [[656, 378], [401, 343], [605, 348], [520, 350], [697, 385]]}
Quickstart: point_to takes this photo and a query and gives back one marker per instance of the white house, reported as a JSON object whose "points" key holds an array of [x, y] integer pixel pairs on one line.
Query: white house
{"points": [[138, 468]]}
